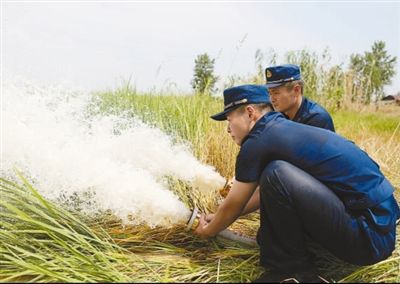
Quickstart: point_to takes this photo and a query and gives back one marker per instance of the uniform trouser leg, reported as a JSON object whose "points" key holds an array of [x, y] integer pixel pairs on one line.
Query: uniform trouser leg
{"points": [[293, 205]]}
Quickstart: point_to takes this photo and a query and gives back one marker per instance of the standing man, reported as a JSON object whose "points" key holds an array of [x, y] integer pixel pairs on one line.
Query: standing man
{"points": [[285, 87], [313, 184]]}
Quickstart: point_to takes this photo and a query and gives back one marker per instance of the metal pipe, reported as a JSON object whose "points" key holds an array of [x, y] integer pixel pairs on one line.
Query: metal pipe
{"points": [[193, 222]]}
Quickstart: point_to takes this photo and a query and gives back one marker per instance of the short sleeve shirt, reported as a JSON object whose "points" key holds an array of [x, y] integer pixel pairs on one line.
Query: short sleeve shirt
{"points": [[333, 160]]}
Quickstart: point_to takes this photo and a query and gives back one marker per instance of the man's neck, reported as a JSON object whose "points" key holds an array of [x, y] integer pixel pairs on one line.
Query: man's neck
{"points": [[291, 113], [258, 118]]}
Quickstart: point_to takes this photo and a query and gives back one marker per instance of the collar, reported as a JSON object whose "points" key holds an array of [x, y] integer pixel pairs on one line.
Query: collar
{"points": [[301, 110], [265, 121]]}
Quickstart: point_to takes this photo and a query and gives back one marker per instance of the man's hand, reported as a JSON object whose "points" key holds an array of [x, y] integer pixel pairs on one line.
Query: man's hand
{"points": [[210, 217], [228, 211], [201, 229]]}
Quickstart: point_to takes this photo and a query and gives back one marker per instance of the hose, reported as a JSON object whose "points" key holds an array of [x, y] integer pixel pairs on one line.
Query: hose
{"points": [[227, 234]]}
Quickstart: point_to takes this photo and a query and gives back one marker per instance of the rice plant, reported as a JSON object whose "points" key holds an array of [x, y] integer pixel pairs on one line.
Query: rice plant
{"points": [[41, 241]]}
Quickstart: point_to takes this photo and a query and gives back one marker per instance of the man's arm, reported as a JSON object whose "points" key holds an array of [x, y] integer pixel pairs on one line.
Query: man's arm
{"points": [[253, 204], [228, 211]]}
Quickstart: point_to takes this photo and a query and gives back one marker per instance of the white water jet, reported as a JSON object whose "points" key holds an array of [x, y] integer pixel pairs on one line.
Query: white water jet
{"points": [[48, 134]]}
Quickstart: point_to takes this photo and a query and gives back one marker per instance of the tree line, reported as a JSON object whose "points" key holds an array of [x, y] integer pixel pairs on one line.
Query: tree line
{"points": [[362, 81]]}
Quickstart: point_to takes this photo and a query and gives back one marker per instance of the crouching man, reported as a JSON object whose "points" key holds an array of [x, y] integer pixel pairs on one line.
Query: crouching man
{"points": [[313, 184]]}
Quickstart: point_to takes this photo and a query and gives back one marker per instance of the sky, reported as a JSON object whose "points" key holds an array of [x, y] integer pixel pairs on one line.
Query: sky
{"points": [[98, 45]]}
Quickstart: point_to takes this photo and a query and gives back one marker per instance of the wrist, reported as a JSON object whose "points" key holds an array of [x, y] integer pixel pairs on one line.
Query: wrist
{"points": [[209, 232]]}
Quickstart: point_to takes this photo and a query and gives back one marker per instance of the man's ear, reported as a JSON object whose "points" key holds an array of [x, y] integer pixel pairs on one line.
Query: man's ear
{"points": [[297, 89], [251, 111]]}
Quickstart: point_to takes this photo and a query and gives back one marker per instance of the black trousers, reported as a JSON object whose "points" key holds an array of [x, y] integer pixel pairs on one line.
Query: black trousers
{"points": [[294, 207]]}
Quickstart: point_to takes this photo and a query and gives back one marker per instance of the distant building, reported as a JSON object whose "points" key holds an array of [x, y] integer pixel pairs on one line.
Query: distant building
{"points": [[392, 99]]}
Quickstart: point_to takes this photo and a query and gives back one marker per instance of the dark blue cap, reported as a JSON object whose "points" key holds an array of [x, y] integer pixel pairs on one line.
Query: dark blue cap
{"points": [[241, 95], [279, 75]]}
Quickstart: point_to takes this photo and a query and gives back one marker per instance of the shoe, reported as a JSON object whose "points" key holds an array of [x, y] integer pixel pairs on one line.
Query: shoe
{"points": [[300, 277]]}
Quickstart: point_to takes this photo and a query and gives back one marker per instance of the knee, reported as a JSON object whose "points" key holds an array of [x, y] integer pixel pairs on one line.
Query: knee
{"points": [[272, 182]]}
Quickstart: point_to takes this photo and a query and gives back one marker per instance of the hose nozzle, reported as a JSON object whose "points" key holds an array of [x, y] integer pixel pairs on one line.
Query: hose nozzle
{"points": [[193, 220]]}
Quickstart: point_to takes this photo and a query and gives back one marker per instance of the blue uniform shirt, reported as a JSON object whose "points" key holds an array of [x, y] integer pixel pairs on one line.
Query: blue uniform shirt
{"points": [[333, 160], [313, 114]]}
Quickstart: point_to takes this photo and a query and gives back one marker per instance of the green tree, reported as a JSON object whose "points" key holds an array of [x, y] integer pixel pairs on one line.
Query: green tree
{"points": [[204, 79], [373, 71]]}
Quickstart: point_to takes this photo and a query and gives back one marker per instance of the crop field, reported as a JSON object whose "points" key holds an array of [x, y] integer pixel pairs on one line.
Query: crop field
{"points": [[41, 241]]}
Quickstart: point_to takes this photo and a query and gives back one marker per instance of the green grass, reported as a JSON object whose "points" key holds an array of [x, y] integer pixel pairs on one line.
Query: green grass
{"points": [[39, 241], [42, 242], [375, 123]]}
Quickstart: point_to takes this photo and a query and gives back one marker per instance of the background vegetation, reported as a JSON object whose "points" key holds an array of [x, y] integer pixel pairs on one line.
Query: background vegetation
{"points": [[42, 242]]}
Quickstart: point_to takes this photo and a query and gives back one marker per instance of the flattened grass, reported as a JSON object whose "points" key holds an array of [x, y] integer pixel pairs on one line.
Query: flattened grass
{"points": [[42, 242]]}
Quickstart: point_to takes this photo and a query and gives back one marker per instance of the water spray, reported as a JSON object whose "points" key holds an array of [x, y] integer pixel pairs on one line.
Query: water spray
{"points": [[193, 222]]}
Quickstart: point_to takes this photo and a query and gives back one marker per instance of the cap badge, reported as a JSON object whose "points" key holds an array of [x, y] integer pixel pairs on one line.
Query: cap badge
{"points": [[269, 74]]}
